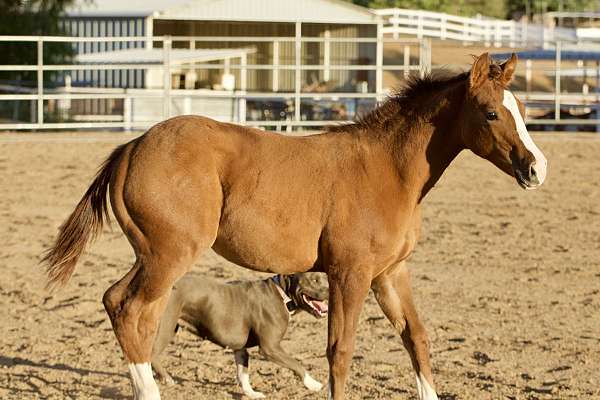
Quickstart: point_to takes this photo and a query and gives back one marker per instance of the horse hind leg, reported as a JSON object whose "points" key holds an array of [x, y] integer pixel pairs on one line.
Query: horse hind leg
{"points": [[393, 293], [134, 305]]}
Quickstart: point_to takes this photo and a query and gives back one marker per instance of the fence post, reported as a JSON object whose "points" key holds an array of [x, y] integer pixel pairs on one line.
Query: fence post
{"points": [[557, 81], [379, 62], [167, 77], [444, 21], [424, 57], [395, 17], [327, 55], [513, 34], [498, 35], [243, 88], [275, 82], [40, 82], [298, 71], [406, 61], [488, 34], [528, 75], [127, 113], [597, 92], [543, 31], [524, 32]]}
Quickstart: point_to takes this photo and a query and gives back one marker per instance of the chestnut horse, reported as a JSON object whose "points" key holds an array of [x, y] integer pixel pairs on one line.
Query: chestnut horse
{"points": [[346, 202]]}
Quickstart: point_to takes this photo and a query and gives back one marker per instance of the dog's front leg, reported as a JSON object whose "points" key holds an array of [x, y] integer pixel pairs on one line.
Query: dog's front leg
{"points": [[241, 362]]}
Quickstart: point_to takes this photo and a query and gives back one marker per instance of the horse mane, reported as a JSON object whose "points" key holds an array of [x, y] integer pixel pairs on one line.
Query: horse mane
{"points": [[412, 97]]}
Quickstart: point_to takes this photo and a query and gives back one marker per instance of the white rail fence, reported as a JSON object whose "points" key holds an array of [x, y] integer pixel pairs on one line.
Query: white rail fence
{"points": [[488, 31], [171, 102], [178, 101]]}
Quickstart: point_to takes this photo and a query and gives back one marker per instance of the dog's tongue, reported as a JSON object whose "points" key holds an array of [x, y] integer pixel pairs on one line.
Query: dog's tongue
{"points": [[319, 305]]}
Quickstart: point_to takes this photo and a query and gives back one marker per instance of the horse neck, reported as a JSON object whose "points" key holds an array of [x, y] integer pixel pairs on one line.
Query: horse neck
{"points": [[424, 147]]}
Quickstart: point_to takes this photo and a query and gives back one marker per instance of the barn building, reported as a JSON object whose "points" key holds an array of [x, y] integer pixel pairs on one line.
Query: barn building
{"points": [[285, 20]]}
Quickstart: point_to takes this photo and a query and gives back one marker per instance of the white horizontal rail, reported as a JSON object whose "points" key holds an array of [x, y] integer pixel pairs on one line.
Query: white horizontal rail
{"points": [[100, 93], [420, 23], [111, 66], [141, 93], [40, 94], [77, 39]]}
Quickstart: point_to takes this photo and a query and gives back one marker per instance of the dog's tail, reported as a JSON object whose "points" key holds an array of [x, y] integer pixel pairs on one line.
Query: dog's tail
{"points": [[85, 222]]}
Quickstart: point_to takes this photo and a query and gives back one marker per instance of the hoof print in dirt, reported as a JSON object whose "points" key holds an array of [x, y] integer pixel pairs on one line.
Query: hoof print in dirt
{"points": [[482, 358]]}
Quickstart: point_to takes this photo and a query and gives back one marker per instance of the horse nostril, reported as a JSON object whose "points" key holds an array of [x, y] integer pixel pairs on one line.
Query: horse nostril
{"points": [[532, 172]]}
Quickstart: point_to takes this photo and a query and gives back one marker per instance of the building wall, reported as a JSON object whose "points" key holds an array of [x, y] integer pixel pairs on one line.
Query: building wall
{"points": [[341, 54], [257, 80], [312, 53], [103, 27]]}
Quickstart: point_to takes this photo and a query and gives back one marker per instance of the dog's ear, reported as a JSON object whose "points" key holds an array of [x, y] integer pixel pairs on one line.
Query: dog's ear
{"points": [[294, 279], [286, 281]]}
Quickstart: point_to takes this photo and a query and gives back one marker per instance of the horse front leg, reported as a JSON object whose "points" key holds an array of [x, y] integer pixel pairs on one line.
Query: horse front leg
{"points": [[393, 293], [348, 289]]}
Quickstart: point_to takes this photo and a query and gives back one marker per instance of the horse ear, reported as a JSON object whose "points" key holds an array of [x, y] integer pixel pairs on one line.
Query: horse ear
{"points": [[480, 71], [508, 69]]}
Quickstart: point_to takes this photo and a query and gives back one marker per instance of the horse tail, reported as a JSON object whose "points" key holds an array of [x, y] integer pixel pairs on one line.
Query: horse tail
{"points": [[84, 223]]}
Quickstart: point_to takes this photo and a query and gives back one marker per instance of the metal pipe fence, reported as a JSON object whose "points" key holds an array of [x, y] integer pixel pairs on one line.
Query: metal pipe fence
{"points": [[180, 101], [241, 96], [487, 31]]}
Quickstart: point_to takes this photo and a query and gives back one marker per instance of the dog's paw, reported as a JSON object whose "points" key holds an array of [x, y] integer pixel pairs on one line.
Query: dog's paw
{"points": [[311, 383], [254, 395], [168, 381]]}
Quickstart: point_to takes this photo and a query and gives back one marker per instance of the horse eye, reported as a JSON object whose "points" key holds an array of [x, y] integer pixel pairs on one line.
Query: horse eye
{"points": [[491, 116]]}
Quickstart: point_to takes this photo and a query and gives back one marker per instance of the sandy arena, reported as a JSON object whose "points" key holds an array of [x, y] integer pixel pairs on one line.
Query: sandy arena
{"points": [[506, 281]]}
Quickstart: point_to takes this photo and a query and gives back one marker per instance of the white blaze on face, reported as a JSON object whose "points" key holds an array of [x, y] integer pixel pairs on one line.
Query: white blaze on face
{"points": [[144, 386], [540, 161], [424, 389]]}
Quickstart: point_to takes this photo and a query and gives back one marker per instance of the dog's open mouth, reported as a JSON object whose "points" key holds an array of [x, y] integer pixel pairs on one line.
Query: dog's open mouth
{"points": [[319, 308]]}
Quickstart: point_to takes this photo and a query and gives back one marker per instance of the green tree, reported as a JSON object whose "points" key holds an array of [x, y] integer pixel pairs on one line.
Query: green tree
{"points": [[498, 8], [31, 17], [539, 6], [458, 7]]}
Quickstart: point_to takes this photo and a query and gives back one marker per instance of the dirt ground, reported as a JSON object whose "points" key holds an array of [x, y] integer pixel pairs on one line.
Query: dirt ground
{"points": [[507, 283]]}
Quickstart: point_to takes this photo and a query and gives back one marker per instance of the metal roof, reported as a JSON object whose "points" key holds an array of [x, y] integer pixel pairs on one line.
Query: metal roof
{"points": [[156, 56], [120, 8], [316, 11], [551, 55]]}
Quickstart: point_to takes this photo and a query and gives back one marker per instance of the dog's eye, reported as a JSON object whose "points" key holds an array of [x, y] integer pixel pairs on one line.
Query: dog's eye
{"points": [[491, 116]]}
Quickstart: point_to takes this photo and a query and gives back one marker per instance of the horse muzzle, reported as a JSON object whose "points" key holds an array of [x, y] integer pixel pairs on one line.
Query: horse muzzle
{"points": [[529, 176]]}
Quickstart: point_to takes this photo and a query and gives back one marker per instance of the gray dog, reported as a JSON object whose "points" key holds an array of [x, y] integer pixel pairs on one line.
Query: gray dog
{"points": [[239, 315]]}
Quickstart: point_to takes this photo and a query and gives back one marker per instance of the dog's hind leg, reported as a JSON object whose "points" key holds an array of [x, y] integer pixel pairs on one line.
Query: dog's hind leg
{"points": [[393, 293], [276, 354], [166, 331], [162, 372], [241, 362]]}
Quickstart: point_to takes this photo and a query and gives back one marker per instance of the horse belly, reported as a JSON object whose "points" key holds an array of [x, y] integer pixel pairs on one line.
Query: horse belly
{"points": [[263, 245]]}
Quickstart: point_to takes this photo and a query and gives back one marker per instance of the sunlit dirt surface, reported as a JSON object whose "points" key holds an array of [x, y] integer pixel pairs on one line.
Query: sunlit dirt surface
{"points": [[506, 281]]}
